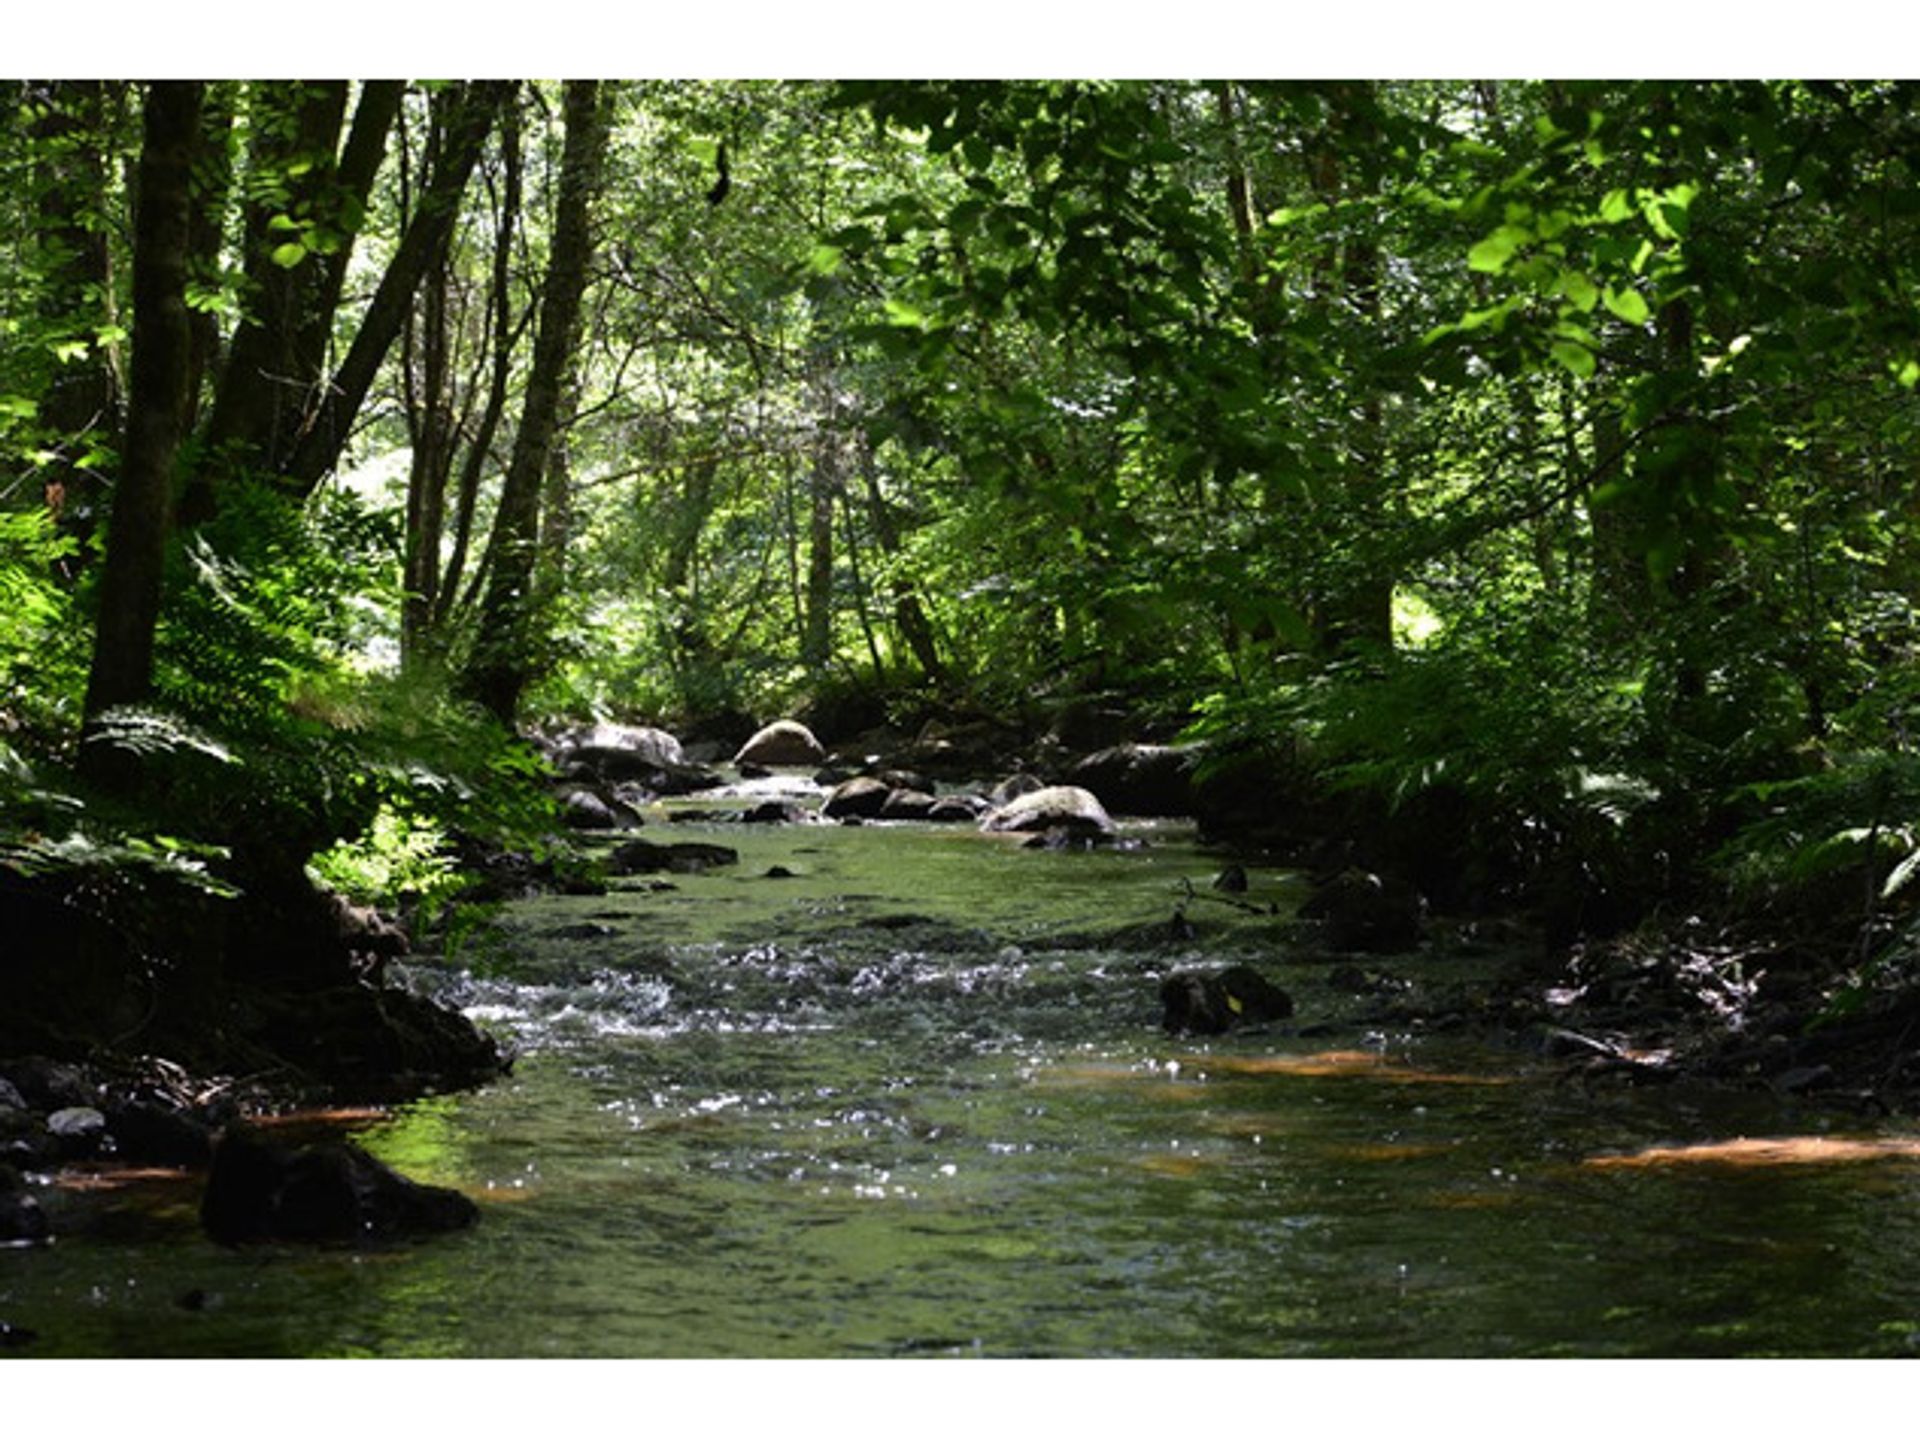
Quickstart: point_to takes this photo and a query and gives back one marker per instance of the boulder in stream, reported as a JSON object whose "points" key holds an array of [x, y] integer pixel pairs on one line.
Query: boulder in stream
{"points": [[1202, 1003], [859, 798], [639, 856], [1059, 806], [263, 1190], [785, 741], [1368, 913], [21, 1220], [583, 808]]}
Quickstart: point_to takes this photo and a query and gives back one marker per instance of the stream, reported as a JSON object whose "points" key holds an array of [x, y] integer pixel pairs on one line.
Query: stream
{"points": [[912, 1098]]}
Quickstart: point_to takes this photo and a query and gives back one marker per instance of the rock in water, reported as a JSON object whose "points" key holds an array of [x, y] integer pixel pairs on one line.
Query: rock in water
{"points": [[21, 1221], [260, 1190], [1061, 806], [1200, 1003], [785, 741], [860, 797], [1368, 913], [638, 856]]}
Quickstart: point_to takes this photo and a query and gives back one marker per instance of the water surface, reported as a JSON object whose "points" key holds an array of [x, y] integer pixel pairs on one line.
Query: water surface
{"points": [[913, 1100]]}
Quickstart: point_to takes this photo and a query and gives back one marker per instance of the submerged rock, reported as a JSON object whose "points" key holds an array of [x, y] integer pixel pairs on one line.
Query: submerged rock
{"points": [[1202, 1003], [21, 1218], [1368, 913], [1060, 806], [785, 741], [639, 856], [262, 1190]]}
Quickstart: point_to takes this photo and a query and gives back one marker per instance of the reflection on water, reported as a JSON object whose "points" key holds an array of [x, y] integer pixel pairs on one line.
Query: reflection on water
{"points": [[904, 1104]]}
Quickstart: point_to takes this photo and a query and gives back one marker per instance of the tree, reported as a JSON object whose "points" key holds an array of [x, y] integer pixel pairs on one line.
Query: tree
{"points": [[504, 653], [130, 582]]}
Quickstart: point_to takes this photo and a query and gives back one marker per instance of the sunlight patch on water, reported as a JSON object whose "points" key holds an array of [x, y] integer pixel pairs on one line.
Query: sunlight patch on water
{"points": [[1763, 1152]]}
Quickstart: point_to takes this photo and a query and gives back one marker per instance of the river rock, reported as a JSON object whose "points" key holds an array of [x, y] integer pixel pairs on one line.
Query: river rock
{"points": [[263, 1190], [21, 1219], [957, 809], [145, 1132], [783, 742], [1368, 913], [776, 811], [10, 1097], [639, 856], [1012, 787], [48, 1084], [1203, 1003], [78, 1132], [585, 809], [608, 747], [1153, 780], [1059, 806], [907, 804], [861, 798]]}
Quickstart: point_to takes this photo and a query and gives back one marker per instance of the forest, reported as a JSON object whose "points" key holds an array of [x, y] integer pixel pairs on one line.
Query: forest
{"points": [[1490, 504]]}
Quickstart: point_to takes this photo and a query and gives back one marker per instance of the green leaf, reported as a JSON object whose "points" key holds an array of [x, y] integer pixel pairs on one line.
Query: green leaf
{"points": [[824, 259], [1576, 357], [1616, 207], [902, 315], [288, 255], [1579, 291], [1909, 374], [1492, 254], [1628, 305]]}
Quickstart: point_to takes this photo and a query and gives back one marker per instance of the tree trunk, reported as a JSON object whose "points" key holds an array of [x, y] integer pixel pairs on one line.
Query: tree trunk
{"points": [[503, 652], [212, 185], [122, 668], [325, 425], [505, 336], [908, 615], [430, 426], [267, 380], [816, 645]]}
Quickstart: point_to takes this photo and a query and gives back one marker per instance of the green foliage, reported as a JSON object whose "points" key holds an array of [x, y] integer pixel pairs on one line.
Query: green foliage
{"points": [[400, 856], [41, 656]]}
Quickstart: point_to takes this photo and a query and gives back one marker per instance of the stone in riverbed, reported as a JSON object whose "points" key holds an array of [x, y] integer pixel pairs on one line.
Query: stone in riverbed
{"points": [[21, 1219], [783, 742], [1199, 1003], [1059, 806], [907, 804], [263, 1190], [638, 856], [1368, 913], [861, 798]]}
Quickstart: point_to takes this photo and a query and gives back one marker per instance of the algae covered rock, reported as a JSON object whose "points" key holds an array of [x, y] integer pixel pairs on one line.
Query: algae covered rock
{"points": [[263, 1190], [1203, 1003]]}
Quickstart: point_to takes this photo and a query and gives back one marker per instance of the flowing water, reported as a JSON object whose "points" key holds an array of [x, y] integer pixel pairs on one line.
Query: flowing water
{"points": [[912, 1099]]}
